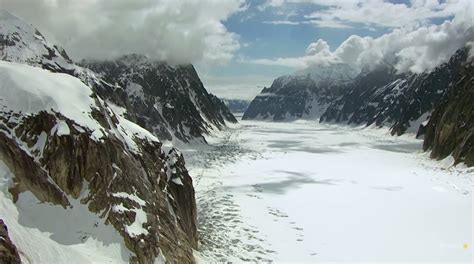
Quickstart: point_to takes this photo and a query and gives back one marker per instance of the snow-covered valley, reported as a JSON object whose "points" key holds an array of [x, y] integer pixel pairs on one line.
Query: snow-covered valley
{"points": [[310, 192]]}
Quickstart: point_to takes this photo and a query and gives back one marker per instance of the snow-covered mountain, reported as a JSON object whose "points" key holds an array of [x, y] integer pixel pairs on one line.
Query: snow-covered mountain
{"points": [[169, 101], [60, 143], [399, 101], [304, 94], [380, 97], [80, 182], [236, 105]]}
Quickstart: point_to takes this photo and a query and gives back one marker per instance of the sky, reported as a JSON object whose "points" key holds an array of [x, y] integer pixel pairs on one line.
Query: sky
{"points": [[240, 46]]}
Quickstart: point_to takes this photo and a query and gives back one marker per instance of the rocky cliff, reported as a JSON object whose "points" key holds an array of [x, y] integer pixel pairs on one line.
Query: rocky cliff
{"points": [[62, 142], [450, 129], [168, 100], [8, 251]]}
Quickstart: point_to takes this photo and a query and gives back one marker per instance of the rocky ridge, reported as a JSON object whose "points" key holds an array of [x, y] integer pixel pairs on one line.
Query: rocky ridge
{"points": [[58, 149], [399, 101], [304, 94], [169, 101], [403, 102], [65, 136]]}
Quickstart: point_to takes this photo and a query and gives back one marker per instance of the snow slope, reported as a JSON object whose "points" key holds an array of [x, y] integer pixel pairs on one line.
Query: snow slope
{"points": [[309, 192], [30, 90], [46, 233]]}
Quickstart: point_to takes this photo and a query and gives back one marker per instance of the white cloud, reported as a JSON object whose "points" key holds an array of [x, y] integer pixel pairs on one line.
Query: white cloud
{"points": [[244, 87], [282, 22], [177, 31], [328, 24], [317, 47], [408, 49], [380, 13]]}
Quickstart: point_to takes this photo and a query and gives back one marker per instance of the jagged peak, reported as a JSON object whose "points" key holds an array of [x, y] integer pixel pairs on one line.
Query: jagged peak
{"points": [[11, 24], [331, 73], [21, 42]]}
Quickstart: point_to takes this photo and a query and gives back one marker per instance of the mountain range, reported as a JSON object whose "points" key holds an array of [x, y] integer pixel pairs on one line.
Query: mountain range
{"points": [[383, 97], [90, 135]]}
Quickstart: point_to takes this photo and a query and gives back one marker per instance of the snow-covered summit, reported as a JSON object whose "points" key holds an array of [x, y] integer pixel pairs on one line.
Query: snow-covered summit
{"points": [[27, 91], [148, 90], [303, 94], [329, 74], [23, 43], [169, 100]]}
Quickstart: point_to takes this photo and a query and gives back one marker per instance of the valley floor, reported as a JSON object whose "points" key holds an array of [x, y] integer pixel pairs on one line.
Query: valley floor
{"points": [[309, 192]]}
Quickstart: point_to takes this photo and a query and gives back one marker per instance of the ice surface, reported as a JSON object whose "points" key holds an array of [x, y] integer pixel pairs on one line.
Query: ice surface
{"points": [[309, 192]]}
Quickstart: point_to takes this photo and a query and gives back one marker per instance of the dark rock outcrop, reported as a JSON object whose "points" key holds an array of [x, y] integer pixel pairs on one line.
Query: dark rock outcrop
{"points": [[8, 252], [167, 100], [450, 129]]}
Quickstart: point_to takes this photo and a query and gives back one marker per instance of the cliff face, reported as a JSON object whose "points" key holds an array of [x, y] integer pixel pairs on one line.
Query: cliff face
{"points": [[450, 129], [168, 100], [60, 140], [8, 251]]}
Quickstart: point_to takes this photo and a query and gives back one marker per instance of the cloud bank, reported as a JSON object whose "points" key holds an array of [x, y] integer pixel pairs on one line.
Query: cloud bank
{"points": [[184, 31], [370, 13], [409, 49]]}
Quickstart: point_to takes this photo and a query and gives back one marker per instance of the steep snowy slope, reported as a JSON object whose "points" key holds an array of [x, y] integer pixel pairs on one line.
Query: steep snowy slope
{"points": [[304, 94], [169, 101], [160, 92], [61, 144], [22, 43]]}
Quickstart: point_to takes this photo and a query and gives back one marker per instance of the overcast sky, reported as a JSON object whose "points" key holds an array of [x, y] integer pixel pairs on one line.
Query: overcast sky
{"points": [[239, 46]]}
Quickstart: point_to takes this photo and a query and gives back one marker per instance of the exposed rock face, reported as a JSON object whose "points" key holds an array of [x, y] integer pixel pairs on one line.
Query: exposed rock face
{"points": [[58, 150], [8, 252], [382, 97], [451, 126], [304, 94], [168, 100]]}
